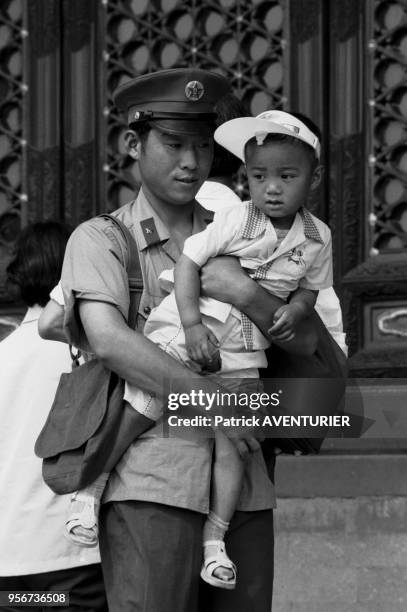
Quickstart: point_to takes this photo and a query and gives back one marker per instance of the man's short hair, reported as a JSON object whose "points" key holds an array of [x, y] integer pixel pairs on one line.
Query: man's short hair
{"points": [[36, 267]]}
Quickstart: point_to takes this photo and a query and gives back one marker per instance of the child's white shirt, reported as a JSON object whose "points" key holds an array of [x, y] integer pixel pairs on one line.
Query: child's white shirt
{"points": [[303, 259]]}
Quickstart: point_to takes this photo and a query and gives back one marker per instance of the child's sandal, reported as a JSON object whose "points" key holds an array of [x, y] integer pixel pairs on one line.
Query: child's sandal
{"points": [[86, 518], [214, 562]]}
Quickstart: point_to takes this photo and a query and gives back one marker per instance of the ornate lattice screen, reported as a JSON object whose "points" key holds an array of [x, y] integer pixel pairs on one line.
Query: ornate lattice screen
{"points": [[387, 126], [13, 89], [242, 40], [374, 254]]}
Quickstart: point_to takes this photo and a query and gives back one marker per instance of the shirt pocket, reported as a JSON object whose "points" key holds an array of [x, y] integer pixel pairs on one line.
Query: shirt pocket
{"points": [[147, 303]]}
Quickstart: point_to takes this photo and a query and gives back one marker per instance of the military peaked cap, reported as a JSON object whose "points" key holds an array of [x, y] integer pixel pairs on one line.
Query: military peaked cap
{"points": [[180, 93]]}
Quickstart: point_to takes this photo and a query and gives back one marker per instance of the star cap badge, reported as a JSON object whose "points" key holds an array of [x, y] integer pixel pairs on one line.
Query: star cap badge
{"points": [[194, 90]]}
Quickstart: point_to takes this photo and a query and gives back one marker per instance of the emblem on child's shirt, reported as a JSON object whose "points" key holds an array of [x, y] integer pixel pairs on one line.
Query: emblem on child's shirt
{"points": [[297, 256]]}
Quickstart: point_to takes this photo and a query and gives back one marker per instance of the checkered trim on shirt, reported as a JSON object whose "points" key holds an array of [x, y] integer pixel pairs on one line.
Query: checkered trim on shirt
{"points": [[255, 222], [310, 229], [247, 331], [261, 272], [247, 325]]}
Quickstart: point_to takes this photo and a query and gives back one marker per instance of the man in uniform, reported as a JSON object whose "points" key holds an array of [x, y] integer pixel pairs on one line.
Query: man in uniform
{"points": [[157, 497]]}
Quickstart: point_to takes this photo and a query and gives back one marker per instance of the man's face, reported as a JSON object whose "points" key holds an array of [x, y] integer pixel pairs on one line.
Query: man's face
{"points": [[280, 177], [173, 166]]}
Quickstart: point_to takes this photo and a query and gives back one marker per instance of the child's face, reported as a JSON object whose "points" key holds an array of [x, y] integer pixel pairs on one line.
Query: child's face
{"points": [[280, 177]]}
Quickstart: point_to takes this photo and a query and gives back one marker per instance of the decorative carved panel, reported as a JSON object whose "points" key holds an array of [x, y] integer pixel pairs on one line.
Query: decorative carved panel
{"points": [[387, 127], [82, 110], [242, 40], [374, 218], [43, 110], [13, 91]]}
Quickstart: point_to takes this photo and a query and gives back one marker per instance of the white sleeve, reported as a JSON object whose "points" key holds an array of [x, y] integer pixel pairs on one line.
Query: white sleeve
{"points": [[319, 274], [329, 309], [57, 295], [219, 238]]}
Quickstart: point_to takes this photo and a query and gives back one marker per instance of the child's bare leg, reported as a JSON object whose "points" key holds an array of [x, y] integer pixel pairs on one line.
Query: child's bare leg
{"points": [[227, 478], [82, 522]]}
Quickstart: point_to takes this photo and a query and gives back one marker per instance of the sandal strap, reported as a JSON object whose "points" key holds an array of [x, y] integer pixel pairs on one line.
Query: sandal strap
{"points": [[220, 559], [78, 520], [219, 543], [86, 517], [219, 562]]}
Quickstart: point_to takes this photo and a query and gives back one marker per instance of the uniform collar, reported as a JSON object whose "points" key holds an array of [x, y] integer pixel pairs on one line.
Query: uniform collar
{"points": [[151, 230], [256, 223]]}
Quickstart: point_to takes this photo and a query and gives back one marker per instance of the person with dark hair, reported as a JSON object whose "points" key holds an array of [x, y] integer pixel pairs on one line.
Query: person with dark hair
{"points": [[36, 268], [33, 555]]}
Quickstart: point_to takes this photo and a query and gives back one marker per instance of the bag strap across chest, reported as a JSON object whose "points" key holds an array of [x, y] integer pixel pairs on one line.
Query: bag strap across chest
{"points": [[134, 269]]}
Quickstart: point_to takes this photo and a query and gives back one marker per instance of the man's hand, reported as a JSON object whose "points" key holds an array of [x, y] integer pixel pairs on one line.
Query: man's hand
{"points": [[285, 322], [202, 345], [244, 442], [222, 278]]}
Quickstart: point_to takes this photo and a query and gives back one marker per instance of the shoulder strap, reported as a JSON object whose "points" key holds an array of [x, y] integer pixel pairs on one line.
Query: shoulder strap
{"points": [[134, 271]]}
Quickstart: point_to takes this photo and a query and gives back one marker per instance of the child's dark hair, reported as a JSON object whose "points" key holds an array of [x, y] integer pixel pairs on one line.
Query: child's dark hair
{"points": [[309, 123], [225, 163], [295, 141], [36, 268]]}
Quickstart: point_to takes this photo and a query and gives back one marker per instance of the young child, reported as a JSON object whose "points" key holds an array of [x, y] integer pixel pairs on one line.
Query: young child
{"points": [[284, 248]]}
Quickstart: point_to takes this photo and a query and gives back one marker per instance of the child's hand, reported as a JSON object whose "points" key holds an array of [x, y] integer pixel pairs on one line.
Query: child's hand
{"points": [[202, 345], [285, 322]]}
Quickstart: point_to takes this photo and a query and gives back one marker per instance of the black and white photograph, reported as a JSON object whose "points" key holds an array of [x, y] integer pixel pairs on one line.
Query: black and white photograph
{"points": [[189, 423]]}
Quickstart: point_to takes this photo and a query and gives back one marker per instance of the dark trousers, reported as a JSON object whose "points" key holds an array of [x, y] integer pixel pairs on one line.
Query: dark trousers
{"points": [[84, 584], [152, 556]]}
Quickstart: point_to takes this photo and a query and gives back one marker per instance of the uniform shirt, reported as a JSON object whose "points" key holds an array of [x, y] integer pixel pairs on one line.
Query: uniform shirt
{"points": [[32, 516], [172, 471]]}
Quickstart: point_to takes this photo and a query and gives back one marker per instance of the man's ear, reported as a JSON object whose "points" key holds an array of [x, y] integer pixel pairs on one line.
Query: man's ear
{"points": [[317, 177], [133, 144]]}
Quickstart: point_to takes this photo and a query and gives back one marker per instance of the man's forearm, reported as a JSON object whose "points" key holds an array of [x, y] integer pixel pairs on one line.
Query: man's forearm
{"points": [[260, 306], [304, 299], [223, 279], [133, 357]]}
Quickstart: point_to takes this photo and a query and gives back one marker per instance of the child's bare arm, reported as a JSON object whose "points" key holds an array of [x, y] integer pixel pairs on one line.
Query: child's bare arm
{"points": [[187, 291], [50, 324], [201, 343], [288, 317]]}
